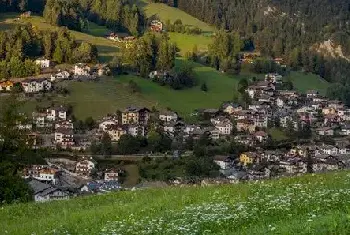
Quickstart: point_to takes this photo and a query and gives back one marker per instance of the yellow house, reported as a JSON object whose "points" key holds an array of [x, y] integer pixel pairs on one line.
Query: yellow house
{"points": [[249, 158], [298, 151], [328, 110], [6, 86], [231, 108], [115, 132], [245, 125]]}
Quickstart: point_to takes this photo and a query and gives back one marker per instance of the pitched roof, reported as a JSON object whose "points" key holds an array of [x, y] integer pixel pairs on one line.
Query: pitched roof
{"points": [[38, 186], [260, 133]]}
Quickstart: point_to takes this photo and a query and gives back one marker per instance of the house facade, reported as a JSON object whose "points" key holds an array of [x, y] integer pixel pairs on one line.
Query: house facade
{"points": [[134, 115], [6, 86], [43, 63], [36, 85], [64, 137]]}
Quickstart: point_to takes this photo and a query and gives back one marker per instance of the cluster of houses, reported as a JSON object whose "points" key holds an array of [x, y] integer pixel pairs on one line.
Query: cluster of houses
{"points": [[43, 83], [128, 41], [64, 180], [54, 125], [295, 161], [251, 57], [156, 26], [249, 124]]}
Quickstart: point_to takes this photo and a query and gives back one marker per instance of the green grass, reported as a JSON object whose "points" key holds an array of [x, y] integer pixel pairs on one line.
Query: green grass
{"points": [[94, 35], [303, 82], [277, 134], [220, 88], [311, 204], [96, 99], [165, 12], [186, 42]]}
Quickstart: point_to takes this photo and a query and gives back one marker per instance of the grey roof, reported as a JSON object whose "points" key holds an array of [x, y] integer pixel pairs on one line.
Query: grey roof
{"points": [[48, 191], [38, 186]]}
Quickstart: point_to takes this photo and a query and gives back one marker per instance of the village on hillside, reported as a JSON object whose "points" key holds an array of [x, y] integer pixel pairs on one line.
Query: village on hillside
{"points": [[323, 124], [319, 129]]}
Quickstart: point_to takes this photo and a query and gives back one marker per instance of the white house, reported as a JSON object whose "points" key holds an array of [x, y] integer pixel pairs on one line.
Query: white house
{"points": [[104, 125], [154, 74], [329, 150], [82, 70], [60, 75], [39, 120], [223, 162], [64, 137], [168, 116], [59, 113], [136, 130], [85, 167], [43, 63], [261, 136], [36, 85], [47, 175], [67, 124], [223, 125], [169, 128], [273, 77], [345, 130], [45, 192], [111, 175]]}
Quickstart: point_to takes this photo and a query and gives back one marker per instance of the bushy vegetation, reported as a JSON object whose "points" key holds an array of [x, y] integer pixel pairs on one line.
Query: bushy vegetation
{"points": [[18, 48], [150, 53], [15, 153], [115, 14], [311, 204], [179, 27], [64, 13]]}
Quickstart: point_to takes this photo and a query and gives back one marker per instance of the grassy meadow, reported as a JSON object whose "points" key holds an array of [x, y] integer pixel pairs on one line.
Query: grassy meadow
{"points": [[304, 82], [310, 204], [185, 42], [165, 12], [96, 99], [277, 134]]}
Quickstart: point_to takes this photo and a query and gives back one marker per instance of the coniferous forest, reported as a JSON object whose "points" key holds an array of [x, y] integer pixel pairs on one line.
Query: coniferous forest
{"points": [[115, 14]]}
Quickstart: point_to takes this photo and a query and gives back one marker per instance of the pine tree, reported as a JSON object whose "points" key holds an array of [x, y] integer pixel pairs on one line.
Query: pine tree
{"points": [[58, 54], [204, 87]]}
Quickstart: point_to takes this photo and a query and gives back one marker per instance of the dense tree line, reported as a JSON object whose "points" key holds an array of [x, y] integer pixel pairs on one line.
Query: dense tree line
{"points": [[18, 48], [155, 141], [150, 53], [200, 165], [15, 153], [179, 27], [65, 13], [276, 26], [22, 5], [224, 50], [115, 14], [178, 78]]}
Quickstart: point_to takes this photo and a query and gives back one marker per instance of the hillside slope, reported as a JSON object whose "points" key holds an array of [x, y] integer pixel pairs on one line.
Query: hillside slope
{"points": [[303, 205]]}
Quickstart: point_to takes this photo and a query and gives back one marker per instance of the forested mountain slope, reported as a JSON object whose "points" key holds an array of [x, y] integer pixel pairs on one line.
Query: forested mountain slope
{"points": [[278, 26]]}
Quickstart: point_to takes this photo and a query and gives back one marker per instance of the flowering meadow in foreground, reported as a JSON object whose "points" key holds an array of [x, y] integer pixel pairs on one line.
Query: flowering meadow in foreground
{"points": [[314, 204]]}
